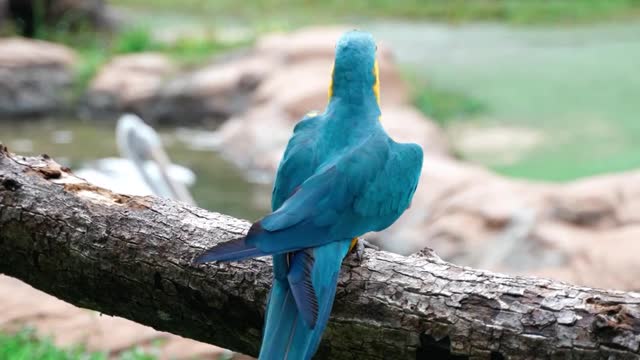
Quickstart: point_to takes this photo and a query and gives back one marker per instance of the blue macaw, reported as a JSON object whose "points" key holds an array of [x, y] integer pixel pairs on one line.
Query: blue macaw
{"points": [[341, 176]]}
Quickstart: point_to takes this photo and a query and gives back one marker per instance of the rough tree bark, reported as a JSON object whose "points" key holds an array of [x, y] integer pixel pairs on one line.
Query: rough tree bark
{"points": [[131, 256]]}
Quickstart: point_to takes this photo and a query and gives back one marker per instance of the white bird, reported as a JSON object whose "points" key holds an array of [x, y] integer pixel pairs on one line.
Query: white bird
{"points": [[145, 168]]}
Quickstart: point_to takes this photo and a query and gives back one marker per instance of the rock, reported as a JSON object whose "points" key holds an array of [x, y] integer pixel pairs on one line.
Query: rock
{"points": [[151, 86], [312, 84], [215, 93], [36, 78], [435, 218], [583, 232], [294, 82], [311, 79], [598, 202], [598, 259], [18, 53], [306, 44], [210, 95], [242, 141], [495, 145], [308, 55], [406, 124], [128, 83]]}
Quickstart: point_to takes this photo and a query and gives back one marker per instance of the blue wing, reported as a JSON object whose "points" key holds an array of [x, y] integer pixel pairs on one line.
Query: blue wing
{"points": [[389, 193], [299, 161], [365, 189]]}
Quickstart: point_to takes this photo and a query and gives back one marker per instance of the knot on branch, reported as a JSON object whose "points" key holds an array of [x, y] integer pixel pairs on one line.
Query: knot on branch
{"points": [[10, 184], [616, 325]]}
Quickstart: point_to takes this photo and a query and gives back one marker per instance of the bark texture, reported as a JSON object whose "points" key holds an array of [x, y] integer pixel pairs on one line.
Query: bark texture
{"points": [[131, 256]]}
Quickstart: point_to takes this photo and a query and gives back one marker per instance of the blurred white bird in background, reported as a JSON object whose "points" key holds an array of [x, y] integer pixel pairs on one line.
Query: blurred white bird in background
{"points": [[144, 169]]}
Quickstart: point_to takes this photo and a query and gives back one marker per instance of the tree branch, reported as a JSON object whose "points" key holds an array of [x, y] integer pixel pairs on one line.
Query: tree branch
{"points": [[131, 256]]}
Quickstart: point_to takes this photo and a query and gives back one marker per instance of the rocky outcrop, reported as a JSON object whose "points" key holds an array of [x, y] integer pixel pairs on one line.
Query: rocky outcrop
{"points": [[582, 232], [128, 83], [36, 78], [210, 95], [149, 85], [287, 71], [299, 84]]}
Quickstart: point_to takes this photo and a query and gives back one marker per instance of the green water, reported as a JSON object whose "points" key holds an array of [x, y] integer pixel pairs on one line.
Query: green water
{"points": [[219, 186]]}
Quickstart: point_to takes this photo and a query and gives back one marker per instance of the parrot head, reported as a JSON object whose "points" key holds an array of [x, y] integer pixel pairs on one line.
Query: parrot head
{"points": [[355, 72]]}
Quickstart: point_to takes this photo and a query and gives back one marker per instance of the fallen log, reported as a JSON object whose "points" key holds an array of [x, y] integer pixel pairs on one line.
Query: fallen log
{"points": [[132, 257]]}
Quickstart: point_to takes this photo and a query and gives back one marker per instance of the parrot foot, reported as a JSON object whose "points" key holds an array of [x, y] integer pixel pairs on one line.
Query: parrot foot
{"points": [[359, 247]]}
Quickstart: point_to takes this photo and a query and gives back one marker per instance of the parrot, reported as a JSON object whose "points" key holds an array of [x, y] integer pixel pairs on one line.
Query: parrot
{"points": [[340, 177]]}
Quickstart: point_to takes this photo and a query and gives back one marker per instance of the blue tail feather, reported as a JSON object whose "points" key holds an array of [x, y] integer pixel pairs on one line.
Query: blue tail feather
{"points": [[233, 250], [286, 335], [300, 271]]}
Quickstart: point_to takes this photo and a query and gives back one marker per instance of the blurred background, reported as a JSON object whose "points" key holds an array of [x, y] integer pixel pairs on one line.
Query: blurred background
{"points": [[528, 112]]}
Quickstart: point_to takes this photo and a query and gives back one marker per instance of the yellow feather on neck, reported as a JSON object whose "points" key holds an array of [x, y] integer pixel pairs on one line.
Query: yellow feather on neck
{"points": [[331, 85], [376, 84]]}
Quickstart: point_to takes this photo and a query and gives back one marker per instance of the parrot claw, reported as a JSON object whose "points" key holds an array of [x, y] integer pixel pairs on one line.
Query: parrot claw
{"points": [[360, 246]]}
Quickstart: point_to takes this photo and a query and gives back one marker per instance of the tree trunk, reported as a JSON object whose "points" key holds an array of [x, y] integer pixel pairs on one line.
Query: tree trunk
{"points": [[131, 256], [31, 15]]}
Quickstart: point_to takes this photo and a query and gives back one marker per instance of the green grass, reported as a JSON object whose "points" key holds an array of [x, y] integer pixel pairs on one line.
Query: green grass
{"points": [[25, 346], [445, 106], [95, 49], [576, 87], [513, 11], [91, 59], [135, 39], [186, 51]]}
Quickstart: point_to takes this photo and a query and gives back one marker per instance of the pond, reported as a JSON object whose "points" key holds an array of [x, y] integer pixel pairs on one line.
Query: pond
{"points": [[219, 186]]}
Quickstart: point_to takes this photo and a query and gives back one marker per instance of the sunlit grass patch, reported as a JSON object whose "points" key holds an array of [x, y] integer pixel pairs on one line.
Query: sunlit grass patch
{"points": [[26, 346], [512, 11], [184, 49], [446, 105], [96, 49]]}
